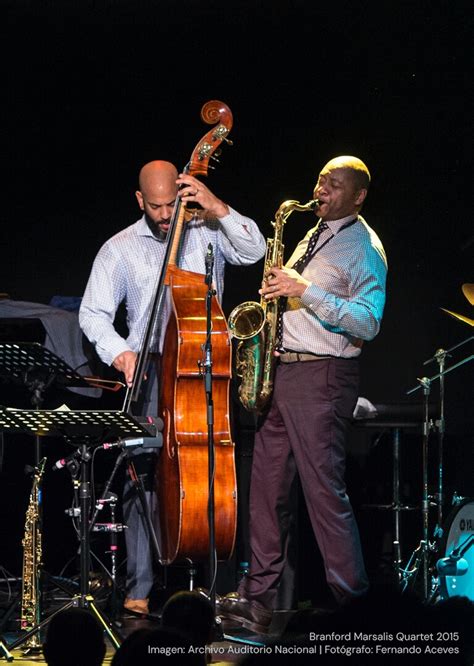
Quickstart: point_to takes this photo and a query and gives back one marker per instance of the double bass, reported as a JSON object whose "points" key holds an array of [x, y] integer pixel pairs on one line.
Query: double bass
{"points": [[183, 474]]}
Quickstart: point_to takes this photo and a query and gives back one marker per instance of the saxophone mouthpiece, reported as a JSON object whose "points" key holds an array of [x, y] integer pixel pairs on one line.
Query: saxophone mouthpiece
{"points": [[314, 204]]}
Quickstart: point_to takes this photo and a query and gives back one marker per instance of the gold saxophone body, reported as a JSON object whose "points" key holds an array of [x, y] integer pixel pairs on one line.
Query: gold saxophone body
{"points": [[255, 324], [32, 561]]}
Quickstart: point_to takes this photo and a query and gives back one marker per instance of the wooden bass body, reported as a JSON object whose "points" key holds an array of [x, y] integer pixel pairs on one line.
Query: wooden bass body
{"points": [[182, 470]]}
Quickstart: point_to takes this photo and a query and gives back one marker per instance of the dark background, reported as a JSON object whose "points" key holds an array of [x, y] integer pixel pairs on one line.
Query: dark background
{"points": [[93, 90]]}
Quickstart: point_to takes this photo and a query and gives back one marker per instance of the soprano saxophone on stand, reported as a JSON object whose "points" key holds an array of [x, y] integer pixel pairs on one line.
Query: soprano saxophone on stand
{"points": [[255, 324], [32, 556]]}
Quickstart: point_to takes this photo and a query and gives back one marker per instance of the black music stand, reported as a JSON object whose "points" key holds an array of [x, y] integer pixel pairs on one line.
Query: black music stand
{"points": [[84, 430], [36, 368], [31, 365]]}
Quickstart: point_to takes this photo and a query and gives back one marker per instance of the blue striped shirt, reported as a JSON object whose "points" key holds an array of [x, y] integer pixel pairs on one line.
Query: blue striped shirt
{"points": [[127, 268], [343, 305]]}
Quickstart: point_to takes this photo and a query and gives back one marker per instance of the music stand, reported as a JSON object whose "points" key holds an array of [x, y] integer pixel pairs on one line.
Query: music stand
{"points": [[85, 430], [31, 365]]}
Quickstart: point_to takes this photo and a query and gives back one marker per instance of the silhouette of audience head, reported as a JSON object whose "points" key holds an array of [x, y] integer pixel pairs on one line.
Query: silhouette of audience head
{"points": [[74, 637], [158, 646], [191, 613]]}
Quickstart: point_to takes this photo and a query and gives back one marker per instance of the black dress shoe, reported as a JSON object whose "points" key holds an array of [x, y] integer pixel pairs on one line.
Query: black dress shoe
{"points": [[244, 613]]}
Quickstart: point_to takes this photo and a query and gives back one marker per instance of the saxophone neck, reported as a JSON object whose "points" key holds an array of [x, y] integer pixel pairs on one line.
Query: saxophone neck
{"points": [[290, 205]]}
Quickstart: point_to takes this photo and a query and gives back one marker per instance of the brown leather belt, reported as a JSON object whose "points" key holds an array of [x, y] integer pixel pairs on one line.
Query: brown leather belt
{"points": [[294, 357]]}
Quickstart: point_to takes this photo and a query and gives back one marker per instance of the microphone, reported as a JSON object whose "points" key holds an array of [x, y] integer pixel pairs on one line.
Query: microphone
{"points": [[209, 261], [134, 442], [152, 424], [453, 565], [63, 462]]}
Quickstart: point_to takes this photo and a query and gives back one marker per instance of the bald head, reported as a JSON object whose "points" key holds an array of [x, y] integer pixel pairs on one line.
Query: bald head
{"points": [[157, 174], [341, 188], [157, 194], [355, 168]]}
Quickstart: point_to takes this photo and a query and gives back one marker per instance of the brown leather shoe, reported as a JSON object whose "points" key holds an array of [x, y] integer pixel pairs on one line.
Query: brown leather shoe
{"points": [[245, 613], [136, 605]]}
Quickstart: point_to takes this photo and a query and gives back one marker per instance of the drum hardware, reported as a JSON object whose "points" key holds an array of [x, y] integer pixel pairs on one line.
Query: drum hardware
{"points": [[86, 430], [456, 569], [423, 553], [457, 499], [394, 418]]}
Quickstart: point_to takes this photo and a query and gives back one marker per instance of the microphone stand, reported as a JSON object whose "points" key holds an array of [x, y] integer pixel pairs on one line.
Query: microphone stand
{"points": [[207, 365]]}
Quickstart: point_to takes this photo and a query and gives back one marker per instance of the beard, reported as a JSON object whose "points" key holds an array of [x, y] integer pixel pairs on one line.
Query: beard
{"points": [[158, 233]]}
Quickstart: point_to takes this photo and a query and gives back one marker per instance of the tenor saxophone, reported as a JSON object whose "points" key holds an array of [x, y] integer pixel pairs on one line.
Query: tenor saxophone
{"points": [[32, 561], [254, 324]]}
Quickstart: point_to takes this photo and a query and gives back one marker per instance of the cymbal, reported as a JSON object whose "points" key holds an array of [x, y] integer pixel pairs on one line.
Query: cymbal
{"points": [[468, 291], [466, 320]]}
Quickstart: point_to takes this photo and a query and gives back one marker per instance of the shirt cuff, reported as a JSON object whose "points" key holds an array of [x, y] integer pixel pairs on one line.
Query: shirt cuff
{"points": [[113, 349], [313, 297], [233, 218]]}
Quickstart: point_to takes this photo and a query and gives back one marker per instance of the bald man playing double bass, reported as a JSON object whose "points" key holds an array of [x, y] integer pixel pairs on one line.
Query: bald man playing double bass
{"points": [[126, 269]]}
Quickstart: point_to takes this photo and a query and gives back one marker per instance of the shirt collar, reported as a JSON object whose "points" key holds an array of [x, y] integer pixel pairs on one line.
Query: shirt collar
{"points": [[336, 225], [143, 229]]}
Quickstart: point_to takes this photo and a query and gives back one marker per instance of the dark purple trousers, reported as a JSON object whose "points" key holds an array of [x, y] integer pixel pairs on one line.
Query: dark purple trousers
{"points": [[304, 433]]}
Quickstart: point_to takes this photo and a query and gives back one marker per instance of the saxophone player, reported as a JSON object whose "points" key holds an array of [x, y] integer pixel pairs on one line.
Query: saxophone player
{"points": [[334, 284]]}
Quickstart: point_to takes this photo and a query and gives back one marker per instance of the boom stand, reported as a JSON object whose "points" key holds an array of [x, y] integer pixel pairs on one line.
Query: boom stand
{"points": [[88, 429]]}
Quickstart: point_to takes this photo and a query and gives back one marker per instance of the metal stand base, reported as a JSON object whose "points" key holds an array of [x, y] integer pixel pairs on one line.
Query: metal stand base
{"points": [[81, 601]]}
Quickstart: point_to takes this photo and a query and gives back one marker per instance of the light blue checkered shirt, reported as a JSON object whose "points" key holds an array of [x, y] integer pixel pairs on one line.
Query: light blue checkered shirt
{"points": [[127, 268], [344, 304]]}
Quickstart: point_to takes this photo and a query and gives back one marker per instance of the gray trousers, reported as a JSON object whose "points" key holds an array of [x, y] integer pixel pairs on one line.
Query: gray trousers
{"points": [[137, 538]]}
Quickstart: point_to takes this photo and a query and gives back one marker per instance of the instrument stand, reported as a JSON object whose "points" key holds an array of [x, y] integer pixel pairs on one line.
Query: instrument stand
{"points": [[86, 430], [421, 555]]}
